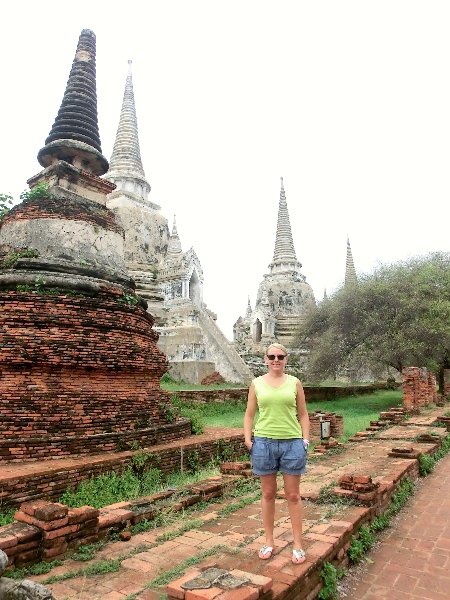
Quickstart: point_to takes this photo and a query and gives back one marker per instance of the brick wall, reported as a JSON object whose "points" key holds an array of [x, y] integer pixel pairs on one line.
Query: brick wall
{"points": [[76, 209], [74, 368], [419, 388], [336, 425], [312, 393]]}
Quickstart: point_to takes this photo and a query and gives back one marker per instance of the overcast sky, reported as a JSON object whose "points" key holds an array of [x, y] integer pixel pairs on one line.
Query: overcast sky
{"points": [[349, 101]]}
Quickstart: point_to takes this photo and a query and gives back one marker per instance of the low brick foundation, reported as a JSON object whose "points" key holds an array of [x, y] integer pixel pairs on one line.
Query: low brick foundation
{"points": [[51, 479], [46, 531]]}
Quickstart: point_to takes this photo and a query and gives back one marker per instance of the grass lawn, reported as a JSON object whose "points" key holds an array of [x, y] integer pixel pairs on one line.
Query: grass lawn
{"points": [[357, 411], [173, 386]]}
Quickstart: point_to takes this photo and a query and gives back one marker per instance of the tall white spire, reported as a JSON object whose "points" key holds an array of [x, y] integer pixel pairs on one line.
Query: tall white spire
{"points": [[284, 245], [350, 272], [125, 166], [284, 258], [126, 156]]}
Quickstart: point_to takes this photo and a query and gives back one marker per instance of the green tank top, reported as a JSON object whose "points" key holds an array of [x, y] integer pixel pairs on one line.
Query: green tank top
{"points": [[277, 409]]}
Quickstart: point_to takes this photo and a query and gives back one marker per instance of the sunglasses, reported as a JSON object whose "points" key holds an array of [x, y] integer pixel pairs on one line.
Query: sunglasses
{"points": [[274, 356]]}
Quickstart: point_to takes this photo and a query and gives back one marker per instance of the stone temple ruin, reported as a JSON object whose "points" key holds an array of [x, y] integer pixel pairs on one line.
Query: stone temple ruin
{"points": [[79, 364], [283, 296], [170, 280]]}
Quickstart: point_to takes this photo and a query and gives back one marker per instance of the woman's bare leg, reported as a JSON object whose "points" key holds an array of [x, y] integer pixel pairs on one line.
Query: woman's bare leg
{"points": [[269, 492], [294, 500]]}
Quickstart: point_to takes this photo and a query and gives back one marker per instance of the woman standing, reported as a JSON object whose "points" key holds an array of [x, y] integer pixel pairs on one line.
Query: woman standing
{"points": [[279, 444]]}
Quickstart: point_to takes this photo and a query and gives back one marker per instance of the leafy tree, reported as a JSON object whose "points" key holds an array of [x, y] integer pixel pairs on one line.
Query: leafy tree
{"points": [[398, 315], [5, 201]]}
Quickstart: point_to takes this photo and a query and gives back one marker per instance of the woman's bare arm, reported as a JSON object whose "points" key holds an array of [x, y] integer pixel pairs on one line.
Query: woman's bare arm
{"points": [[302, 412], [249, 417]]}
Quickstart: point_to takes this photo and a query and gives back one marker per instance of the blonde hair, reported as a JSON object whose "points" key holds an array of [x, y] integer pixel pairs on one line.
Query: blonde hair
{"points": [[276, 345]]}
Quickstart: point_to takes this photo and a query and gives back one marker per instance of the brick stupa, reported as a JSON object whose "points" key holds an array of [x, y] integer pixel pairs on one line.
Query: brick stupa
{"points": [[79, 366]]}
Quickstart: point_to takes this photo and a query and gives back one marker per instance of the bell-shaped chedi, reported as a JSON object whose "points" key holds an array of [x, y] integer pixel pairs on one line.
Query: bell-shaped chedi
{"points": [[79, 365], [283, 296]]}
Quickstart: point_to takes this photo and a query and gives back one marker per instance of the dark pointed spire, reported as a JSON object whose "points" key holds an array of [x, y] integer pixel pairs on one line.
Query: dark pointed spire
{"points": [[350, 272], [75, 130]]}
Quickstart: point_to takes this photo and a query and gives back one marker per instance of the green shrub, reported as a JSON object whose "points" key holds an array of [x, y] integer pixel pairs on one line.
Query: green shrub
{"points": [[330, 576], [197, 425], [166, 378], [426, 464], [381, 522], [6, 516]]}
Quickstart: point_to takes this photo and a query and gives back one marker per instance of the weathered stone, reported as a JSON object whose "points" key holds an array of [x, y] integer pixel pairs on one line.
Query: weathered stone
{"points": [[214, 577], [3, 562], [11, 589]]}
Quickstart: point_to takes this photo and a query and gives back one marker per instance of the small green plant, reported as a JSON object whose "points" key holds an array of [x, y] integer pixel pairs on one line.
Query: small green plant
{"points": [[359, 546], [190, 412], [197, 425], [38, 192], [224, 451], [6, 516], [87, 552], [23, 288], [12, 258], [166, 378], [193, 461], [139, 459], [380, 523], [155, 274], [128, 299], [121, 445], [39, 284], [443, 450], [330, 576], [169, 411], [83, 262], [356, 550], [327, 496], [37, 569], [426, 464]]}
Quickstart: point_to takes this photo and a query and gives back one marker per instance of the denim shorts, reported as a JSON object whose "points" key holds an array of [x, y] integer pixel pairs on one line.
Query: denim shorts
{"points": [[270, 456]]}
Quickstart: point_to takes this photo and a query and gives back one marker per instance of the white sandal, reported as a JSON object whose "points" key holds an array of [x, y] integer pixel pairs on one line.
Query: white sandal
{"points": [[298, 556], [265, 552]]}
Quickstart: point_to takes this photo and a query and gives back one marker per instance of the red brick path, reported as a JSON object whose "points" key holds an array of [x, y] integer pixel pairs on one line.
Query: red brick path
{"points": [[414, 559]]}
